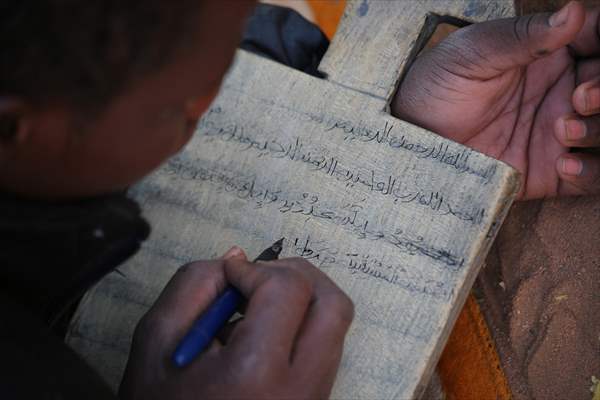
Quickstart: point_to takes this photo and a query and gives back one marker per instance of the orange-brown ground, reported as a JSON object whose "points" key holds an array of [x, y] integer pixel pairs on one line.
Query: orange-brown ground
{"points": [[545, 316]]}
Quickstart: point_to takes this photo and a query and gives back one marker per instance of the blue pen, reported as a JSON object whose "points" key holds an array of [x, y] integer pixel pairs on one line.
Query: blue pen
{"points": [[216, 316]]}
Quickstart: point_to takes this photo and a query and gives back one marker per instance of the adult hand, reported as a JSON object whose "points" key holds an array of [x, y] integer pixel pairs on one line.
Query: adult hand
{"points": [[524, 90], [287, 346]]}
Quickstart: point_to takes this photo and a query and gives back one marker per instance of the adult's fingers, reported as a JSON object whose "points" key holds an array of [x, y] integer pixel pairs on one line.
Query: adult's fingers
{"points": [[278, 298], [587, 41], [488, 49], [587, 69], [579, 173], [577, 131], [586, 97]]}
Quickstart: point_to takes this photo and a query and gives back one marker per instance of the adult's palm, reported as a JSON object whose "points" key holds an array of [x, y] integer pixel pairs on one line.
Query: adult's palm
{"points": [[522, 90]]}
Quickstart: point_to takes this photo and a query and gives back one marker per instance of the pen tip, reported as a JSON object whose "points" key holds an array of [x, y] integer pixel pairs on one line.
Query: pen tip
{"points": [[278, 246]]}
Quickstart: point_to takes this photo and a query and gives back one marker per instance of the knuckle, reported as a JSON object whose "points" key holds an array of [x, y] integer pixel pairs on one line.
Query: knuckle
{"points": [[252, 369], [190, 267], [526, 32], [341, 309], [519, 28], [202, 268], [152, 323], [290, 280], [526, 27], [299, 263]]}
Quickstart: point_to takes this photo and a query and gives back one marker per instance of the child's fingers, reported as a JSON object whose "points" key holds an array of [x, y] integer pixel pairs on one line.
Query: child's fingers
{"points": [[580, 173], [493, 47], [576, 131], [234, 252], [277, 302], [225, 333], [189, 292], [586, 97], [320, 343]]}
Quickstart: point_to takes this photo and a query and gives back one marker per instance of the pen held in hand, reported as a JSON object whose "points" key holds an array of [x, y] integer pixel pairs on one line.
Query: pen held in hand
{"points": [[205, 329]]}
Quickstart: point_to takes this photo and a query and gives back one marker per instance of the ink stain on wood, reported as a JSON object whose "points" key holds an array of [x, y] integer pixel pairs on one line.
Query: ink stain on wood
{"points": [[363, 9]]}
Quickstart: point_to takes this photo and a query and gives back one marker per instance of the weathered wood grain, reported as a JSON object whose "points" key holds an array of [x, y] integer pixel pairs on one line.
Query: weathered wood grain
{"points": [[376, 39], [399, 217]]}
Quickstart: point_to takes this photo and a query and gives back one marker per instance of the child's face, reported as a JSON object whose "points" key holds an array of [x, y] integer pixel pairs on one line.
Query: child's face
{"points": [[138, 130]]}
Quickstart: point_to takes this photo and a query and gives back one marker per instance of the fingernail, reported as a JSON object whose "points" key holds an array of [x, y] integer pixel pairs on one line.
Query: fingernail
{"points": [[232, 252], [560, 17], [574, 129], [592, 99], [571, 166]]}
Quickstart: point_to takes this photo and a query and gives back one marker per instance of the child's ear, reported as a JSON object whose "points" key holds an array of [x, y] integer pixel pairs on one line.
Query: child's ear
{"points": [[15, 125]]}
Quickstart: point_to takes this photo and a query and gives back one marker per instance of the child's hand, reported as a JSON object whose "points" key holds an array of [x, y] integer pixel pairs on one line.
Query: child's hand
{"points": [[523, 90], [288, 346]]}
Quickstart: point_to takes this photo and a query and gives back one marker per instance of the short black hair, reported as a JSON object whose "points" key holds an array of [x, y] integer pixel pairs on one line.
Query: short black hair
{"points": [[85, 51]]}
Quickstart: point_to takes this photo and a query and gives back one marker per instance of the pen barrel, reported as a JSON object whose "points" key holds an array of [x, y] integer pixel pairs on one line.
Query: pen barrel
{"points": [[207, 326]]}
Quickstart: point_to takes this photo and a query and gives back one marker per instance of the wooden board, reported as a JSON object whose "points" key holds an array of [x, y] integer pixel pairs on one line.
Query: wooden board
{"points": [[399, 217]]}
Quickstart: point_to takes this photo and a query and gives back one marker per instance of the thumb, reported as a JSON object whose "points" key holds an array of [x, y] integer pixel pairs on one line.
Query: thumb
{"points": [[234, 253], [493, 47]]}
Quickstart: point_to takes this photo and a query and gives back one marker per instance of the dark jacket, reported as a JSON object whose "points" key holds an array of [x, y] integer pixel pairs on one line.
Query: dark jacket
{"points": [[51, 253]]}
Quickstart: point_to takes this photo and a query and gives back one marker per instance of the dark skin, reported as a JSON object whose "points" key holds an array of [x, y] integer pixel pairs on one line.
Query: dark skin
{"points": [[60, 151], [531, 89], [290, 342], [289, 345]]}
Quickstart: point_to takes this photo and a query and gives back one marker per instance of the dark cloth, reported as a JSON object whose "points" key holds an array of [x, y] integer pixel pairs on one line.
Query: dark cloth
{"points": [[50, 254], [36, 364], [285, 36]]}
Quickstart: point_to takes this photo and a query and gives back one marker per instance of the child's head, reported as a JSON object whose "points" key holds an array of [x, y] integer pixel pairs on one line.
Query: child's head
{"points": [[94, 94]]}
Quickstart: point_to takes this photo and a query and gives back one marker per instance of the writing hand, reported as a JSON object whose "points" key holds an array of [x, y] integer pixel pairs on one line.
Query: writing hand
{"points": [[288, 345], [524, 90]]}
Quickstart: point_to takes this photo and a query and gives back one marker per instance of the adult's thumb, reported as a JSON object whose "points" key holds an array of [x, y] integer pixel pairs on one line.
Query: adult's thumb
{"points": [[493, 47]]}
